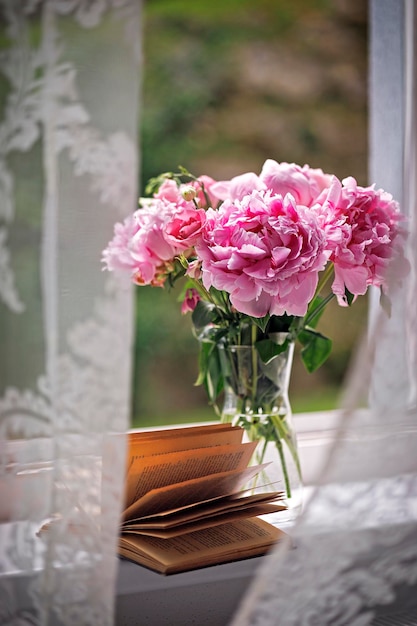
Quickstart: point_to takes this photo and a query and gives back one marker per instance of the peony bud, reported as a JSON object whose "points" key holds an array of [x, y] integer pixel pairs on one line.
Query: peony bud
{"points": [[190, 301], [188, 193]]}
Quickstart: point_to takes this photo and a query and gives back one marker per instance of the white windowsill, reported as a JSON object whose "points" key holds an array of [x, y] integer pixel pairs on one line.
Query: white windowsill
{"points": [[206, 597]]}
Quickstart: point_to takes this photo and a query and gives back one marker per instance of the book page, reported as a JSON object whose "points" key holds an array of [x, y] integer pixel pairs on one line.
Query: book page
{"points": [[160, 470], [181, 439], [183, 431], [202, 510], [223, 543], [214, 520], [192, 491]]}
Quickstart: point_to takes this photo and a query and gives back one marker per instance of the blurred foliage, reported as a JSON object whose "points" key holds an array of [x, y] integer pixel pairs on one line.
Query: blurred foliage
{"points": [[227, 85]]}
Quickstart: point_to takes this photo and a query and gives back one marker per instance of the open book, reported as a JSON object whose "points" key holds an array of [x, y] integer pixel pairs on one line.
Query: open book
{"points": [[186, 506]]}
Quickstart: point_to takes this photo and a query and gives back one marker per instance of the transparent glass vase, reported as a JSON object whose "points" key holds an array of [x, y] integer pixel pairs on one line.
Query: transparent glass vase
{"points": [[256, 398]]}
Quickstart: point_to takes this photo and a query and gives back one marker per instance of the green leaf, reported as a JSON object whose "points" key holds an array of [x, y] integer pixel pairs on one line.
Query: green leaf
{"points": [[260, 322], [314, 305], [206, 348], [210, 370], [153, 184], [184, 172], [218, 297], [268, 349], [316, 348]]}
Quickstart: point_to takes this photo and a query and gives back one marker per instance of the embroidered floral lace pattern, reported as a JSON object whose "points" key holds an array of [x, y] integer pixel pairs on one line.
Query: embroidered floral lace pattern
{"points": [[352, 562], [354, 555], [68, 120]]}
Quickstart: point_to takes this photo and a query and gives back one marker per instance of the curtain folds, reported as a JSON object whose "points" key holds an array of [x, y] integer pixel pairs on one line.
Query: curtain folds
{"points": [[69, 78], [69, 74], [354, 559]]}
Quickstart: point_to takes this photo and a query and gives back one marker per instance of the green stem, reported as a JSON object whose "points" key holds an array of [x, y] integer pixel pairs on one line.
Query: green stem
{"points": [[255, 413], [259, 460], [254, 355], [278, 444], [328, 272], [283, 432], [207, 295], [309, 317]]}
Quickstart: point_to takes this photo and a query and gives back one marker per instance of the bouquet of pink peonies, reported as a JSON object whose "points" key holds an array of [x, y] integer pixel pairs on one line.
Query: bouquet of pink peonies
{"points": [[260, 254]]}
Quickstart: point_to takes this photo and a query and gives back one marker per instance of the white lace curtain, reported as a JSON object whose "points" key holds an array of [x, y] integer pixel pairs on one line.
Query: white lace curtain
{"points": [[355, 556], [68, 169], [69, 74]]}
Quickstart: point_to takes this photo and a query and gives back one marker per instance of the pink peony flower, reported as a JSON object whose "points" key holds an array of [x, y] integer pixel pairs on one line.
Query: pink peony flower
{"points": [[117, 254], [318, 177], [190, 301], [364, 231], [265, 251], [184, 229], [169, 191], [139, 245], [238, 187], [303, 183]]}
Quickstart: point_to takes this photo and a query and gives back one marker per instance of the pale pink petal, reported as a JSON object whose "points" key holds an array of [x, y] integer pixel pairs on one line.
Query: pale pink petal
{"points": [[221, 189], [257, 307]]}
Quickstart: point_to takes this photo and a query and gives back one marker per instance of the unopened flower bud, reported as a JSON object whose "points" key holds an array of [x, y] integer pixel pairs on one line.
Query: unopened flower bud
{"points": [[188, 193], [190, 301]]}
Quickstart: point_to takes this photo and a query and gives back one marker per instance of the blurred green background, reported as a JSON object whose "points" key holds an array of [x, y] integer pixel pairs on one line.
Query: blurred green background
{"points": [[227, 85]]}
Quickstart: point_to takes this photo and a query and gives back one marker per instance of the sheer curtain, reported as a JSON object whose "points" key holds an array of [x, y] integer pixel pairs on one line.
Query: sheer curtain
{"points": [[69, 74], [354, 555]]}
